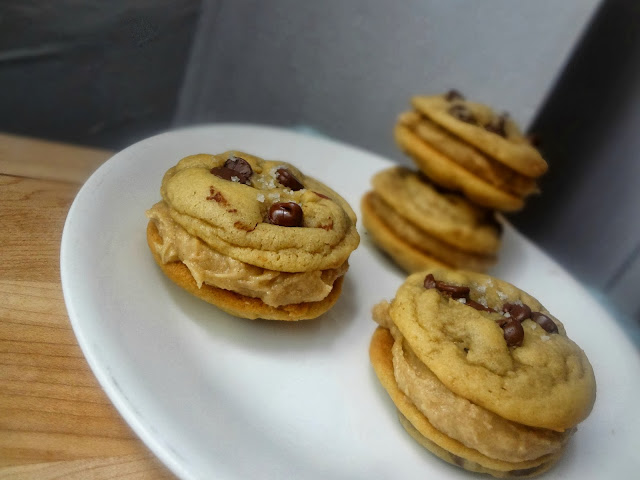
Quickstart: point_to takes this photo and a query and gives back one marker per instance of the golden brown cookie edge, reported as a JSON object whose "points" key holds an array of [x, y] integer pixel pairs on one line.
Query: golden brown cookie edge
{"points": [[486, 168], [446, 172], [519, 155]]}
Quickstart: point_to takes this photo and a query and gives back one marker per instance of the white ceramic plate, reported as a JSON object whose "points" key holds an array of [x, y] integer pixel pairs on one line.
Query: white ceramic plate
{"points": [[219, 397]]}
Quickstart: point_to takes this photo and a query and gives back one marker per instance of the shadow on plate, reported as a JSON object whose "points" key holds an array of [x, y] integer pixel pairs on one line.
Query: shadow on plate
{"points": [[269, 335]]}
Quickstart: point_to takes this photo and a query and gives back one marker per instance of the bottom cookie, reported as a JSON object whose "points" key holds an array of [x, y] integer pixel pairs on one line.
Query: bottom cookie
{"points": [[444, 447], [234, 303]]}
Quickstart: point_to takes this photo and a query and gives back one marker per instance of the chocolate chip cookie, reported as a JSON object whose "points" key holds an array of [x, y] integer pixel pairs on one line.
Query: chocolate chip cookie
{"points": [[420, 225], [257, 238], [481, 373], [466, 146]]}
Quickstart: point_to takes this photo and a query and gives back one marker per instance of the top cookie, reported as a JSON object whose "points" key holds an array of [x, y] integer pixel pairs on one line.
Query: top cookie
{"points": [[264, 213], [536, 377], [496, 135]]}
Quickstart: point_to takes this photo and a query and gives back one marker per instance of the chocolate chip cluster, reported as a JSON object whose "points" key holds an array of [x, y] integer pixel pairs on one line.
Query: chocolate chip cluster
{"points": [[283, 214], [461, 112], [513, 314]]}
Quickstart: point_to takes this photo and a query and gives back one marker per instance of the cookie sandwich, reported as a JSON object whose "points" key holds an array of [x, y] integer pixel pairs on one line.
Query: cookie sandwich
{"points": [[256, 238], [482, 375], [466, 146], [420, 225]]}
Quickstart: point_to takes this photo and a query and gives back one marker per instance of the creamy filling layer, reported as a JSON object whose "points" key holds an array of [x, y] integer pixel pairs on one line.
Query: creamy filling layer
{"points": [[212, 268]]}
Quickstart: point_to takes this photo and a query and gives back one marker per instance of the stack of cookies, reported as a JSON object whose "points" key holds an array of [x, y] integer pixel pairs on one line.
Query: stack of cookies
{"points": [[482, 375], [472, 162], [420, 225], [256, 238]]}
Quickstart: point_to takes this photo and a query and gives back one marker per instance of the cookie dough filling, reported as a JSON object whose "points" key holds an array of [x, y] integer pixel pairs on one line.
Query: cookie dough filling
{"points": [[212, 268]]}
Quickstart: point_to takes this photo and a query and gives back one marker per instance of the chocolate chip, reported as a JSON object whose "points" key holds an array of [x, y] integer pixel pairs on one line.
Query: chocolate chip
{"points": [[513, 332], [235, 168], [479, 306], [502, 322], [545, 322], [453, 94], [224, 173], [455, 291], [498, 124], [241, 167], [463, 113], [429, 282], [517, 312], [286, 214], [286, 178]]}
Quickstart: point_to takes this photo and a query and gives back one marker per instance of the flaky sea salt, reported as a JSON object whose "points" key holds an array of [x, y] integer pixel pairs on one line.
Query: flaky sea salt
{"points": [[235, 179], [501, 294], [273, 174], [260, 198], [507, 314], [483, 301], [462, 300], [481, 288], [544, 338]]}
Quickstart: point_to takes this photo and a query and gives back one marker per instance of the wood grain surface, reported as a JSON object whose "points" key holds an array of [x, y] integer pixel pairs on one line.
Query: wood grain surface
{"points": [[55, 420]]}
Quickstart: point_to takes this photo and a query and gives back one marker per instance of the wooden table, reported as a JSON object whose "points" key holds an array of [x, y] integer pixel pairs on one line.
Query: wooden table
{"points": [[55, 420]]}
